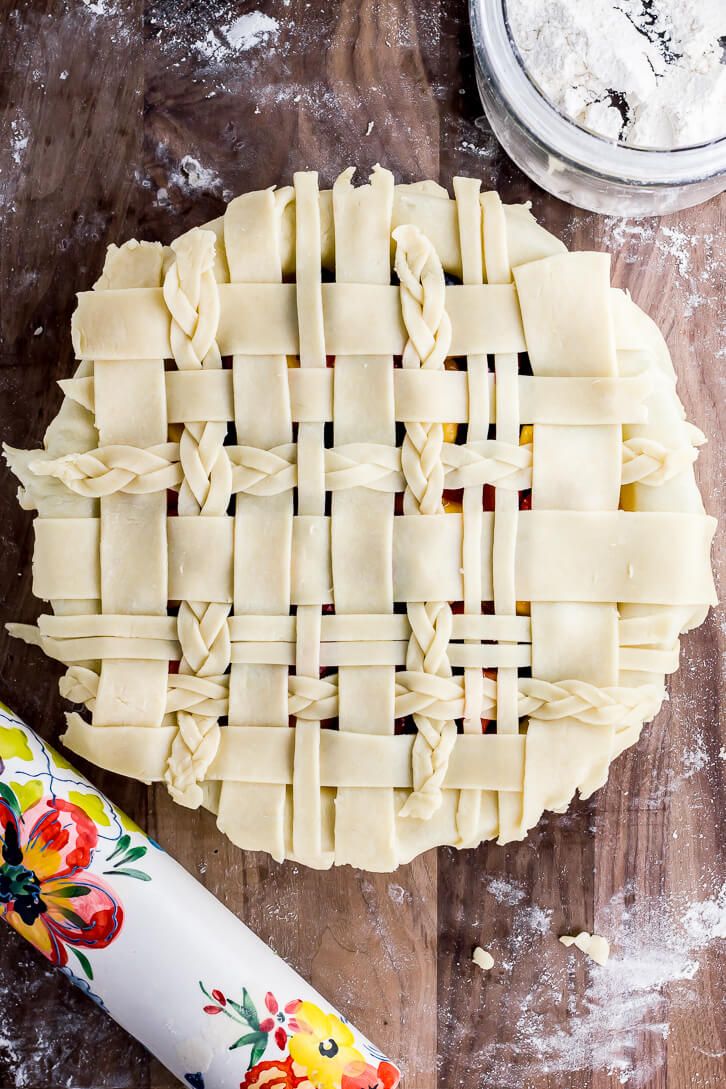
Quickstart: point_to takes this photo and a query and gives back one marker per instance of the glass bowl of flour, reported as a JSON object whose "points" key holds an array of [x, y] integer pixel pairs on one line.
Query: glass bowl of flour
{"points": [[618, 106]]}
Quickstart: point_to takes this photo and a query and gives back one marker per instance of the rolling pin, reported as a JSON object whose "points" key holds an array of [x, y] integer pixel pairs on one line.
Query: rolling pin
{"points": [[126, 923]]}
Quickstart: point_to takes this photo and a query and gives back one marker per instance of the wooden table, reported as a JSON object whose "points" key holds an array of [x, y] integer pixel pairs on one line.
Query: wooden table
{"points": [[124, 119]]}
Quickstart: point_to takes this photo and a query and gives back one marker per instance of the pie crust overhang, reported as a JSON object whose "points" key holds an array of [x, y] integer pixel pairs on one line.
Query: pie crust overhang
{"points": [[368, 520]]}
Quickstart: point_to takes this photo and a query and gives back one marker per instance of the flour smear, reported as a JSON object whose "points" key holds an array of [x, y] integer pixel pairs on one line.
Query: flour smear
{"points": [[658, 948], [217, 45], [238, 36]]}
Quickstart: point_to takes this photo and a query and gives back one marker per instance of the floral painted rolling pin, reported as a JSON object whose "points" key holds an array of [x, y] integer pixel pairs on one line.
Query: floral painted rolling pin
{"points": [[87, 888]]}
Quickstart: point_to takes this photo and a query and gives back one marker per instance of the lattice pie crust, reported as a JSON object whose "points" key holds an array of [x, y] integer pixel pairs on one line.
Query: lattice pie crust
{"points": [[365, 563]]}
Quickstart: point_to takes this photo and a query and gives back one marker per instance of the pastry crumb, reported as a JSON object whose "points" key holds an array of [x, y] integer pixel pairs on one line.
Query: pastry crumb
{"points": [[593, 945], [484, 960]]}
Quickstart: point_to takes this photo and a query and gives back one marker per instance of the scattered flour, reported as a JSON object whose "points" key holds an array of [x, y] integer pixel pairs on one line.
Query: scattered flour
{"points": [[535, 919], [18, 140], [635, 240], [189, 177], [251, 29], [483, 150], [506, 891], [705, 920], [694, 759], [192, 175], [97, 7], [398, 894], [677, 244], [694, 300], [238, 36]]}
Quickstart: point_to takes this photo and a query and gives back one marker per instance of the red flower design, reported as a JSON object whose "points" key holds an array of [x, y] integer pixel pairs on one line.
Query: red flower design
{"points": [[45, 892], [280, 1021], [364, 1076], [274, 1074]]}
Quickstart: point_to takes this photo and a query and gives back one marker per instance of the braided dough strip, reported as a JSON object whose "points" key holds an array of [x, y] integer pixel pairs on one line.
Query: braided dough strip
{"points": [[647, 461], [429, 337], [112, 469], [417, 692], [192, 297], [270, 472]]}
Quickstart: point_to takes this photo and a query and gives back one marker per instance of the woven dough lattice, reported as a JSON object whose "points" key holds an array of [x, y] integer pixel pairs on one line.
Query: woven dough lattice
{"points": [[368, 520]]}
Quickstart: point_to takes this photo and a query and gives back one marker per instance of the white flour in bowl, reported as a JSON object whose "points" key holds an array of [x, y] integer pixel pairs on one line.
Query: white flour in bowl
{"points": [[649, 73]]}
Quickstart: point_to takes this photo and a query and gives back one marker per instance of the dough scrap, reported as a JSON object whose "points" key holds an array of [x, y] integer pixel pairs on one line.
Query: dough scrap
{"points": [[483, 959], [593, 945]]}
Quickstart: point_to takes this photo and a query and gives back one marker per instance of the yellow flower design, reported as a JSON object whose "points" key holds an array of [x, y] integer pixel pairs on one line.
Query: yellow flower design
{"points": [[323, 1046]]}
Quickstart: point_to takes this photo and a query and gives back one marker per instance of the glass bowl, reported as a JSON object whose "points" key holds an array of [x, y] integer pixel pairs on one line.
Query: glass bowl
{"points": [[572, 163]]}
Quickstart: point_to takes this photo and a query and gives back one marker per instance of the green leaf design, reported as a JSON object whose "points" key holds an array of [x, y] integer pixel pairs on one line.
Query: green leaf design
{"points": [[84, 962], [258, 1050], [139, 875], [69, 892], [204, 991], [73, 917], [249, 1038], [123, 845], [250, 1009], [237, 1009], [133, 856], [12, 801]]}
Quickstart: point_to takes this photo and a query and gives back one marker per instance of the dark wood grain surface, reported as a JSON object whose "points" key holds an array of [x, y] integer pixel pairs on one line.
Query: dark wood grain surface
{"points": [[122, 118]]}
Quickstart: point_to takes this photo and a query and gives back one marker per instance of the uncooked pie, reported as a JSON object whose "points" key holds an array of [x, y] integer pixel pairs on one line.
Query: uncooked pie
{"points": [[368, 520]]}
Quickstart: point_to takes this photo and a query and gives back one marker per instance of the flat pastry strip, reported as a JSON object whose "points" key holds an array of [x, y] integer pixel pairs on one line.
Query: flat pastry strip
{"points": [[261, 319], [567, 313], [610, 554], [258, 691], [344, 627], [349, 653], [312, 803], [506, 504], [477, 814], [132, 528], [441, 396], [361, 524]]}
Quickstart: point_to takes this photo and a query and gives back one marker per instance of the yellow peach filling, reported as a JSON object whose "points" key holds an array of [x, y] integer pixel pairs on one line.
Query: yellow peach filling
{"points": [[451, 430]]}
